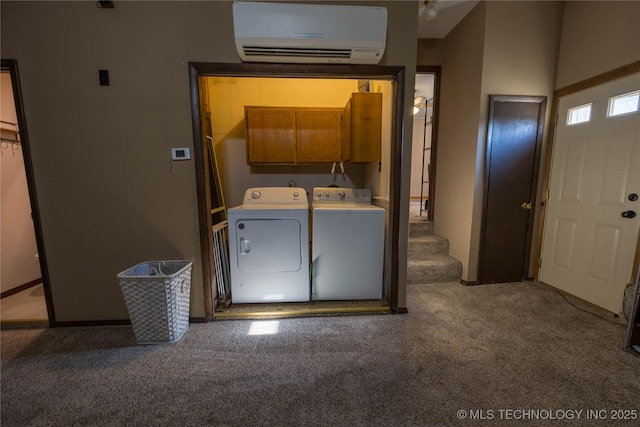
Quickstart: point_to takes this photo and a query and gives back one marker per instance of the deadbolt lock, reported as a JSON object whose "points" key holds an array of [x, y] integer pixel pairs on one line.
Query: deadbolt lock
{"points": [[526, 205]]}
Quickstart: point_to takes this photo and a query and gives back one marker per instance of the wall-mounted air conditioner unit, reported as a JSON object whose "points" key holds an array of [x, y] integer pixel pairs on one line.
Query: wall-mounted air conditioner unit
{"points": [[309, 33]]}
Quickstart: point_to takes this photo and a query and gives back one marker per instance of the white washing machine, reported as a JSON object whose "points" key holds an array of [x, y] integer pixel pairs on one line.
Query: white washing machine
{"points": [[269, 246], [347, 245]]}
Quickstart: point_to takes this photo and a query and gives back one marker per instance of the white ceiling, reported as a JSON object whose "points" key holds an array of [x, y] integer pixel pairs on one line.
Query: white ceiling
{"points": [[424, 85], [448, 14]]}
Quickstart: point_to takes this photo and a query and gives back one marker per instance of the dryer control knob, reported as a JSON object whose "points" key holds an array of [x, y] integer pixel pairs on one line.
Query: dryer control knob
{"points": [[341, 194], [296, 194], [256, 194], [319, 194]]}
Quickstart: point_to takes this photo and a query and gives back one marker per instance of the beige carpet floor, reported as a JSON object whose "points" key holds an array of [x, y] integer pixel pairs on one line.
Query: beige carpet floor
{"points": [[496, 352]]}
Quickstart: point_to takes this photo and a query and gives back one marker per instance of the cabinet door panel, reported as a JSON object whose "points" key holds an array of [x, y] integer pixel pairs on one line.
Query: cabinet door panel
{"points": [[318, 135], [362, 128], [270, 135], [366, 127]]}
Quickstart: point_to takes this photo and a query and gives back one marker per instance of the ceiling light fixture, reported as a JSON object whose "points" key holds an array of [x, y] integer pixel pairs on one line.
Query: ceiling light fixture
{"points": [[418, 103], [105, 4], [429, 10]]}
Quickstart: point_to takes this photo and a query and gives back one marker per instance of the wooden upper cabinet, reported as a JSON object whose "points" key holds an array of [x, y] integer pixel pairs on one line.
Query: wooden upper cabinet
{"points": [[318, 135], [362, 128], [270, 135], [293, 135]]}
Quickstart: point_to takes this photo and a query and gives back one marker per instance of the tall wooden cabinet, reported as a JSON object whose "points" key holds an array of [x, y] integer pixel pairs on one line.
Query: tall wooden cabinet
{"points": [[362, 128]]}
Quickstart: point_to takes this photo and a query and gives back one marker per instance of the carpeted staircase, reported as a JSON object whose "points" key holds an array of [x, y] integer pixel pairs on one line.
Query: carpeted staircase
{"points": [[428, 259]]}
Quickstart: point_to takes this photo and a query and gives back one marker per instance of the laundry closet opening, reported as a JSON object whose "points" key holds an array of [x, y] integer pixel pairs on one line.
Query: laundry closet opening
{"points": [[223, 96]]}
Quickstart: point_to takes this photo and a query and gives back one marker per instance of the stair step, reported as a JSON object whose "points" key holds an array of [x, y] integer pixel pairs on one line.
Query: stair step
{"points": [[420, 247], [419, 228], [434, 269]]}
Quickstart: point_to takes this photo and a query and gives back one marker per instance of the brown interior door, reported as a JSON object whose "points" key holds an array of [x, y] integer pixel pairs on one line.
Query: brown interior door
{"points": [[511, 170]]}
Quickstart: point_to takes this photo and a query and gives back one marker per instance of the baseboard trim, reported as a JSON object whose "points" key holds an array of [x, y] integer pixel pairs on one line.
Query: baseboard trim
{"points": [[475, 282], [24, 324], [76, 323], [115, 322], [20, 288], [401, 310]]}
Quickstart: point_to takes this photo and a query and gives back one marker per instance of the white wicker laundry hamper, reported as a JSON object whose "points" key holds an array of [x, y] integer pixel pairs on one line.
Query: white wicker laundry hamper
{"points": [[157, 295]]}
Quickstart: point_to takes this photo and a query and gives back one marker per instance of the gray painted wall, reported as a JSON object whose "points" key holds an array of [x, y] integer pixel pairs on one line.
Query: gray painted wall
{"points": [[597, 36], [521, 46], [108, 193], [527, 48], [458, 134]]}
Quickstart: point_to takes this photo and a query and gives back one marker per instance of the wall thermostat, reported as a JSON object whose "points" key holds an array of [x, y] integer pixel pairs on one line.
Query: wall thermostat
{"points": [[180, 154]]}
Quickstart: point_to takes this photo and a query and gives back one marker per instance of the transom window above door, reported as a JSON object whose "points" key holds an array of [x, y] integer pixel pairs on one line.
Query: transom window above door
{"points": [[579, 114], [626, 103]]}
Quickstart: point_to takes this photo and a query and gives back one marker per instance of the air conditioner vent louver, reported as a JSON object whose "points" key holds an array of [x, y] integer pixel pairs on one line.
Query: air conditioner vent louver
{"points": [[297, 52]]}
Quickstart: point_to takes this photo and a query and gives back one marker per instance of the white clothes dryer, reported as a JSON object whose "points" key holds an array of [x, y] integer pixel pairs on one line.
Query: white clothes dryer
{"points": [[269, 246], [347, 245]]}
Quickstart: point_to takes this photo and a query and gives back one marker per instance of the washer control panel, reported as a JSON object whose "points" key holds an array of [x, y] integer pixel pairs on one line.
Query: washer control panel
{"points": [[341, 195]]}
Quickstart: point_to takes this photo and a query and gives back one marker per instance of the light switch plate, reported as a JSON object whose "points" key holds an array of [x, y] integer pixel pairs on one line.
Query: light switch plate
{"points": [[180, 154]]}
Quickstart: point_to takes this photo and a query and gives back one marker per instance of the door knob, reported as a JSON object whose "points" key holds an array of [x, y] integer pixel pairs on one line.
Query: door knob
{"points": [[628, 214], [525, 205]]}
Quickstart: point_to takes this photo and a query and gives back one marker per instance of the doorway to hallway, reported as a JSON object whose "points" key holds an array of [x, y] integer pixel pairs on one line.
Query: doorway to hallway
{"points": [[424, 142]]}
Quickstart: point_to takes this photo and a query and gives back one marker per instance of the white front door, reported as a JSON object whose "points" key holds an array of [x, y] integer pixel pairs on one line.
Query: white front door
{"points": [[590, 233]]}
